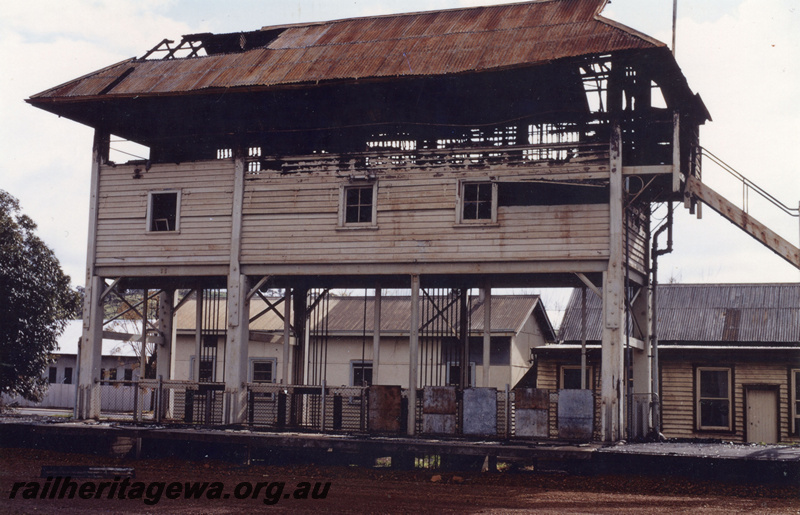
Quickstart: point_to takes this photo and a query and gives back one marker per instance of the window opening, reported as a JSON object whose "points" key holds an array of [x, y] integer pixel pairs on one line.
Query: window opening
{"points": [[477, 201], [454, 374], [571, 377], [714, 398], [361, 373], [254, 159], [208, 358], [263, 371], [163, 214], [358, 204]]}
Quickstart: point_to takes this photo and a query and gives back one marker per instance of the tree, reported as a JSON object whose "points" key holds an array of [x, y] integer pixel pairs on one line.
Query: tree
{"points": [[35, 303]]}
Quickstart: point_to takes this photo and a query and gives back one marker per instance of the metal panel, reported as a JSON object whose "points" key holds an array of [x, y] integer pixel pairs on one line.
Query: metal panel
{"points": [[575, 414], [534, 423], [385, 408], [532, 398], [439, 400], [439, 424], [480, 411]]}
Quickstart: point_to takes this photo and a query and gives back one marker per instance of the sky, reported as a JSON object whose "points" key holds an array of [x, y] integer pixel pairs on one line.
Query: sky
{"points": [[742, 57]]}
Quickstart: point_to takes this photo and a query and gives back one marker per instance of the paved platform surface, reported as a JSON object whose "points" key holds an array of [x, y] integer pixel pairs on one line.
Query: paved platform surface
{"points": [[732, 451]]}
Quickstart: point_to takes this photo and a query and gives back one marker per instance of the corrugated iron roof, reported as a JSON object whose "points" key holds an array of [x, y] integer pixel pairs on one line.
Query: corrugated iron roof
{"points": [[417, 44], [346, 315], [509, 313], [714, 313]]}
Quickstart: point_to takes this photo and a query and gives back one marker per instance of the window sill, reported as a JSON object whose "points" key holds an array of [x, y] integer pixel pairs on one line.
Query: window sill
{"points": [[721, 430], [163, 232], [355, 227], [469, 225]]}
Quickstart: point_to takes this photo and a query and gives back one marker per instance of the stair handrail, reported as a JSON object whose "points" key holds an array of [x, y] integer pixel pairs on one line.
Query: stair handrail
{"points": [[748, 184]]}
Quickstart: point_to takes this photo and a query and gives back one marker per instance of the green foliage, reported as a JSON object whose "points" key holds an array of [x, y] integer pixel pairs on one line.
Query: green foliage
{"points": [[35, 303]]}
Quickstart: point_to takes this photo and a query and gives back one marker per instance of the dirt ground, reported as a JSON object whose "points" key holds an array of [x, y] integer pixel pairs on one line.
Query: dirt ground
{"points": [[370, 490]]}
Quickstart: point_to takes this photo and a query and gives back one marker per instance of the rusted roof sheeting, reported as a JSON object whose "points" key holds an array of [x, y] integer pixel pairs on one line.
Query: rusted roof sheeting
{"points": [[713, 313], [419, 44]]}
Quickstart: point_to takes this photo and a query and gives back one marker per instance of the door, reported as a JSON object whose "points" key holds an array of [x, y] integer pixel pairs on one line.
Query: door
{"points": [[762, 414]]}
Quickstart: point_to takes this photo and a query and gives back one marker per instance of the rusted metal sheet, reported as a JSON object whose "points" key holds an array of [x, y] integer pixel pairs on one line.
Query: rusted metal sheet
{"points": [[575, 414], [432, 43], [532, 398], [706, 313], [439, 400], [385, 408], [480, 411]]}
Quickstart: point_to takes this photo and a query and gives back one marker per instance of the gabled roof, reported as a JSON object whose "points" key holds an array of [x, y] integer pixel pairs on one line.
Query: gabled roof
{"points": [[509, 314], [417, 44], [346, 315], [707, 313]]}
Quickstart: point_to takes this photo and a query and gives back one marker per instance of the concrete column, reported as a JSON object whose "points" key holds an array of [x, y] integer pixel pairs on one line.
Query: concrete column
{"points": [[413, 358]]}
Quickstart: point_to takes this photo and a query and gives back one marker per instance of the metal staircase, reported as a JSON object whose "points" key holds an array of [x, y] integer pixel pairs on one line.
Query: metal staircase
{"points": [[740, 216]]}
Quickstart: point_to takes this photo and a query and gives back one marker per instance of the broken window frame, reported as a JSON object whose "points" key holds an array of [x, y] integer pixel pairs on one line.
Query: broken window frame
{"points": [[462, 203], [156, 225], [344, 205]]}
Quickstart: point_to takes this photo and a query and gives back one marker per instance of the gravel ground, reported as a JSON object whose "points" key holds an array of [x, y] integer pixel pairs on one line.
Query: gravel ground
{"points": [[373, 490]]}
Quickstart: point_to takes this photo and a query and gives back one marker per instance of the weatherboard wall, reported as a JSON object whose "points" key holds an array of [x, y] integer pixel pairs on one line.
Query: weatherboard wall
{"points": [[295, 219]]}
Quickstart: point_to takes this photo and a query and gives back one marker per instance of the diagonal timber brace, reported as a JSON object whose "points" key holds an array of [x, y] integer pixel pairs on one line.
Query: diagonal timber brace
{"points": [[756, 229]]}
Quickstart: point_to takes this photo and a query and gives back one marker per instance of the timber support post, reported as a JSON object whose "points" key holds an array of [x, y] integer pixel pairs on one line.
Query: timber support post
{"points": [[166, 326], [238, 331], [613, 333], [413, 359], [90, 349], [376, 338]]}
